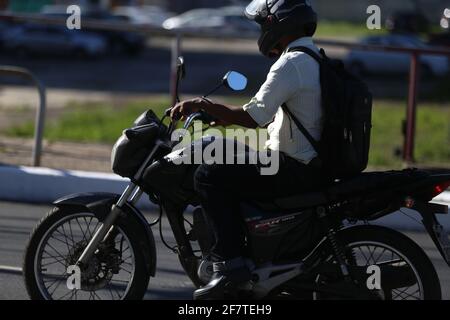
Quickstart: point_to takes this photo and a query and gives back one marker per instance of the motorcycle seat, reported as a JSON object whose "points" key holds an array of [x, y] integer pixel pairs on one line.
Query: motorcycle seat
{"points": [[364, 183]]}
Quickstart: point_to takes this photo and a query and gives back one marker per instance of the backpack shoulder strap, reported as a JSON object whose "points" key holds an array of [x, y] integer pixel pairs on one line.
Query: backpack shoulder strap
{"points": [[310, 53], [285, 108], [302, 129]]}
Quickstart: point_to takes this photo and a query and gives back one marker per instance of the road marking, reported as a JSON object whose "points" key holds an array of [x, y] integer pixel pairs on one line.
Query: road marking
{"points": [[9, 269]]}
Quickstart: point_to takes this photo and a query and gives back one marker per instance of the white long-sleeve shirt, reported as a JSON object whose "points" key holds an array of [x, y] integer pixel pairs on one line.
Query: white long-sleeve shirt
{"points": [[295, 80]]}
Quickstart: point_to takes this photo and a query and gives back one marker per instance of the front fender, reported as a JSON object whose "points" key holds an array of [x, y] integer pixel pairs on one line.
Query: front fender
{"points": [[100, 204]]}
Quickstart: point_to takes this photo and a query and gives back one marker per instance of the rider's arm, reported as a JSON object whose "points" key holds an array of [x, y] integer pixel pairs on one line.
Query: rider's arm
{"points": [[227, 114], [230, 115], [281, 83]]}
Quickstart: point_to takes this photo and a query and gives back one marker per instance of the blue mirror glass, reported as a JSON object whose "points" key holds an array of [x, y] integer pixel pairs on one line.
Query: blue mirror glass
{"points": [[235, 81]]}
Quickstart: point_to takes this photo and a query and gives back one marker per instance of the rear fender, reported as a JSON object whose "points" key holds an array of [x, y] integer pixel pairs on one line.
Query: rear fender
{"points": [[100, 204], [436, 231]]}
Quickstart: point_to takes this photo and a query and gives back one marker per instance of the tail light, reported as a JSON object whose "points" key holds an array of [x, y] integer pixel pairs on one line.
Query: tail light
{"points": [[439, 188]]}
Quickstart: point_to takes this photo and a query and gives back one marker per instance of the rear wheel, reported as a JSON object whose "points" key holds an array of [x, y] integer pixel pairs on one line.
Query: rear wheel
{"points": [[405, 271]]}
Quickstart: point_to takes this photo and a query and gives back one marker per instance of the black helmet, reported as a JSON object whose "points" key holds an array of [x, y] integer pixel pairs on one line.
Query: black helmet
{"points": [[279, 18]]}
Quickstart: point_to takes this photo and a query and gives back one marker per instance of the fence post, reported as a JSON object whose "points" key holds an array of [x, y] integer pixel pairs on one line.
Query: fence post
{"points": [[40, 114], [39, 125], [411, 114]]}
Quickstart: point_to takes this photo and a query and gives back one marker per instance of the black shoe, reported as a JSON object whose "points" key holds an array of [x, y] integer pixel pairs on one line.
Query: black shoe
{"points": [[227, 278]]}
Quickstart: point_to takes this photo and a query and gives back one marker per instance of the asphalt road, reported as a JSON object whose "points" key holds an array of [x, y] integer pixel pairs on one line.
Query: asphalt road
{"points": [[18, 220]]}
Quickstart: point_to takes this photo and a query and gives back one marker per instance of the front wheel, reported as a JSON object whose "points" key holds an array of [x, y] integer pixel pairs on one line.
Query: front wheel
{"points": [[405, 271], [117, 271]]}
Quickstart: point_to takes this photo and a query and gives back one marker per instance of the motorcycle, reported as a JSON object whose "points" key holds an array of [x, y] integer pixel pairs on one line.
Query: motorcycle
{"points": [[317, 245]]}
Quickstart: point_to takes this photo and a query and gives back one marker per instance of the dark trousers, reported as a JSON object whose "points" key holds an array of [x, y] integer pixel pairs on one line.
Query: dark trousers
{"points": [[222, 187]]}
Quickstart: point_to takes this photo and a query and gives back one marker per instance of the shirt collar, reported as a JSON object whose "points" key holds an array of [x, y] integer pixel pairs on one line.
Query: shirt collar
{"points": [[302, 42]]}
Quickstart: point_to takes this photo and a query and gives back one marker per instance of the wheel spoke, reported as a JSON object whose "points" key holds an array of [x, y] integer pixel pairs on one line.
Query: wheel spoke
{"points": [[81, 229], [56, 251], [362, 252], [404, 295], [61, 261], [65, 237], [60, 233], [380, 255]]}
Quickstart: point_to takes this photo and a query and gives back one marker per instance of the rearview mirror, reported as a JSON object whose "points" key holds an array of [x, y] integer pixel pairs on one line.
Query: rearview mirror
{"points": [[235, 81]]}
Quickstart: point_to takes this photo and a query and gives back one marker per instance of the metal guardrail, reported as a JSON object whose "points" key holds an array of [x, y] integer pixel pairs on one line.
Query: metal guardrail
{"points": [[40, 114], [410, 125]]}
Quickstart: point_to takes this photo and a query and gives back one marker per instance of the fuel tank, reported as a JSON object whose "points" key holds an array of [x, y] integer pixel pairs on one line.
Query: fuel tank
{"points": [[171, 181], [173, 175]]}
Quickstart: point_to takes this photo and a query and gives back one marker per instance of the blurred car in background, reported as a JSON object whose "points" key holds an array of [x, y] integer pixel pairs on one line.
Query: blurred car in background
{"points": [[5, 27], [373, 62], [442, 39], [412, 22], [192, 19], [445, 19], [119, 42], [31, 39], [146, 15], [226, 20]]}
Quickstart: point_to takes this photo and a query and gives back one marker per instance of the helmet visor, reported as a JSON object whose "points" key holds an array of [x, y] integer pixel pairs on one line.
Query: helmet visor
{"points": [[256, 10]]}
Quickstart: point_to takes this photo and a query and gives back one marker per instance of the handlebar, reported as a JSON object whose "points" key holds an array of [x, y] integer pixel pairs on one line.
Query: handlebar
{"points": [[191, 119], [201, 115]]}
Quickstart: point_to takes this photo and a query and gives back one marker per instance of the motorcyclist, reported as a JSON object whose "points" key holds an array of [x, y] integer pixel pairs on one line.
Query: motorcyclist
{"points": [[294, 79]]}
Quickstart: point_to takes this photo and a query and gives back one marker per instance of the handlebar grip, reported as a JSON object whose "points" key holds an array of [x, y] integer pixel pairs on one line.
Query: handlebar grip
{"points": [[167, 112], [206, 118]]}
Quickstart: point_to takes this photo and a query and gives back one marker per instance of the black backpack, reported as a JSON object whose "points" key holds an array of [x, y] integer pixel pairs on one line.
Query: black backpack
{"points": [[347, 106]]}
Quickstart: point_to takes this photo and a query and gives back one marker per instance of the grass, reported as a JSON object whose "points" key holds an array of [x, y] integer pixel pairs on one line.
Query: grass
{"points": [[432, 135], [346, 29], [100, 123], [91, 122], [331, 29]]}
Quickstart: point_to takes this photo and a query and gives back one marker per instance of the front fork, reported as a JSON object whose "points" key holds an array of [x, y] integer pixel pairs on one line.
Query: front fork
{"points": [[131, 194]]}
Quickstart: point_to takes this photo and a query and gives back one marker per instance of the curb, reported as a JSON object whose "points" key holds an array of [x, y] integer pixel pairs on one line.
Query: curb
{"points": [[43, 186]]}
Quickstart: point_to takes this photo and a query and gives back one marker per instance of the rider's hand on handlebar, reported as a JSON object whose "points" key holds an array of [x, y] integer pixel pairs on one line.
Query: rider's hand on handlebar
{"points": [[184, 109], [219, 123]]}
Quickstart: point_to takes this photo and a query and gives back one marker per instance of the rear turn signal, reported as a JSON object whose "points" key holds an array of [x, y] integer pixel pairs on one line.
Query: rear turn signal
{"points": [[438, 189], [409, 202]]}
